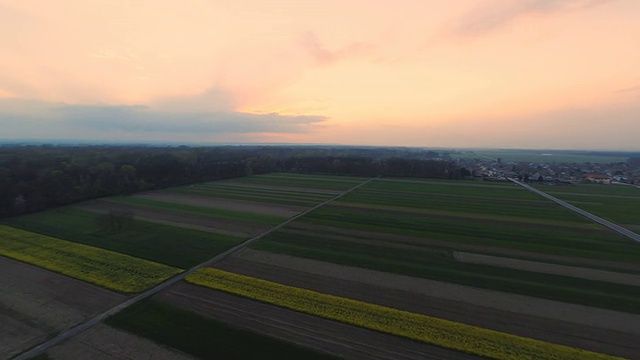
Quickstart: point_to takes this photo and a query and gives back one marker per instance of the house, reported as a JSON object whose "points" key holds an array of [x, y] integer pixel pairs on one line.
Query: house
{"points": [[598, 178]]}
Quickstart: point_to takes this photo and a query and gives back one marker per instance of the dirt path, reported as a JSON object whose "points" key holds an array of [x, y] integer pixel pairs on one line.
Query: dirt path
{"points": [[546, 268], [309, 331], [572, 325]]}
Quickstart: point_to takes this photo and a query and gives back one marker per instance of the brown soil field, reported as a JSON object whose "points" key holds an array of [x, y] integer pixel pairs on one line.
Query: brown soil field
{"points": [[328, 231], [546, 268], [309, 331], [573, 325], [199, 222], [219, 203], [35, 303], [103, 342]]}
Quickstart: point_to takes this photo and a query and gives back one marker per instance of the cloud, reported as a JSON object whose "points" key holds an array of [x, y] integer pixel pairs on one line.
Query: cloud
{"points": [[497, 14], [323, 56], [37, 119]]}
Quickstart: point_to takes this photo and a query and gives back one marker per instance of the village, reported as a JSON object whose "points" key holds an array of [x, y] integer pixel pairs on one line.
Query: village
{"points": [[621, 173]]}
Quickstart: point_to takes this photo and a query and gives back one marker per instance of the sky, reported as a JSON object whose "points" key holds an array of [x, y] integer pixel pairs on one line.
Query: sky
{"points": [[553, 74]]}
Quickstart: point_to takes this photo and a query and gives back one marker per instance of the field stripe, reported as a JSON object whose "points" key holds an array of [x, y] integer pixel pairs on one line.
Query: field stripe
{"points": [[431, 330], [104, 268]]}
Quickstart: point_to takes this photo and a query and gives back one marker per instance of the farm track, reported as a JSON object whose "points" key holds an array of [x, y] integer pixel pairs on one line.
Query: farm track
{"points": [[346, 234], [320, 334], [90, 323], [555, 322]]}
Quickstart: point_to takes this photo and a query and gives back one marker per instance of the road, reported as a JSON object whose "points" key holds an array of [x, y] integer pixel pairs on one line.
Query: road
{"points": [[89, 323], [626, 232]]}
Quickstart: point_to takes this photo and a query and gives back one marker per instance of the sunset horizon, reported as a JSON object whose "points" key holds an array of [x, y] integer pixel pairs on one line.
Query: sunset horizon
{"points": [[534, 74]]}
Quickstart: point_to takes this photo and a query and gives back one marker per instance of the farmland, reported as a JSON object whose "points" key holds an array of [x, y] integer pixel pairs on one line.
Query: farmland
{"points": [[616, 203], [201, 337], [35, 302], [396, 269], [101, 267], [461, 237], [422, 328], [423, 227]]}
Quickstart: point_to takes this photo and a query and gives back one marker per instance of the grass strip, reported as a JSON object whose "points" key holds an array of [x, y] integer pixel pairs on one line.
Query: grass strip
{"points": [[105, 268], [431, 330], [203, 337]]}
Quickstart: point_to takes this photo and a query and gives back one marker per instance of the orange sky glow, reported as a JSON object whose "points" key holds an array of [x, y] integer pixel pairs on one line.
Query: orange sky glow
{"points": [[560, 74]]}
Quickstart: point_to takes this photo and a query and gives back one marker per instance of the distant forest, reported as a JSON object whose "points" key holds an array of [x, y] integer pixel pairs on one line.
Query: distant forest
{"points": [[33, 178]]}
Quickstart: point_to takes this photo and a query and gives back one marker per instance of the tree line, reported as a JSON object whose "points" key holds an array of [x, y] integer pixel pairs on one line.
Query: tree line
{"points": [[33, 178]]}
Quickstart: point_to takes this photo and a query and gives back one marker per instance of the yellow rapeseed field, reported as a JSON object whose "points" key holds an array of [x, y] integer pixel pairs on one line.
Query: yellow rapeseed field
{"points": [[440, 332], [105, 268]]}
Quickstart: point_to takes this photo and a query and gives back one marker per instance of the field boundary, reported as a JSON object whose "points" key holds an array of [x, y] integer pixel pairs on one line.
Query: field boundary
{"points": [[87, 324]]}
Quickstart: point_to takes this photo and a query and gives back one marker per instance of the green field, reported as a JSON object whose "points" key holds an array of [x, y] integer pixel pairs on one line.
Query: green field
{"points": [[202, 337], [173, 246], [426, 222], [616, 203]]}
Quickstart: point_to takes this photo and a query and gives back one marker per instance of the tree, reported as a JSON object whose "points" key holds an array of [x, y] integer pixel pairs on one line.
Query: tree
{"points": [[117, 219]]}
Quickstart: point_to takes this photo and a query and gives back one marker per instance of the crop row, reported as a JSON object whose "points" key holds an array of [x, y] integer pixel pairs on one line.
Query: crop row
{"points": [[437, 263], [310, 183], [460, 188], [537, 208], [287, 175], [98, 266], [198, 210], [267, 195], [598, 244], [285, 192], [418, 327]]}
